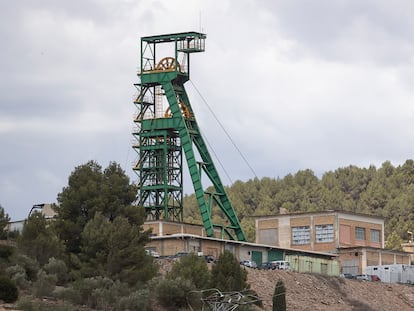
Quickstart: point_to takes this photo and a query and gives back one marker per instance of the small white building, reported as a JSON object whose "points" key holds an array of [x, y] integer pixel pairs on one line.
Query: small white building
{"points": [[45, 209], [398, 273]]}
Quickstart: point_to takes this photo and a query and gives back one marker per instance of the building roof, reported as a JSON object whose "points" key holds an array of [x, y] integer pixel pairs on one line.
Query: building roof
{"points": [[320, 212], [354, 248], [174, 37], [193, 236]]}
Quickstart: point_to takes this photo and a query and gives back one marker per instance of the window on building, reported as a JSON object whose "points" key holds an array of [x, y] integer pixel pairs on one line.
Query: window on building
{"points": [[324, 233], [374, 235], [300, 235], [360, 233]]}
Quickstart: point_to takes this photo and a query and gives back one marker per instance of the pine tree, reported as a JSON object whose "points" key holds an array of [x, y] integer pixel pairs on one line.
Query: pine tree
{"points": [[38, 239], [279, 297], [192, 268], [394, 241], [227, 275]]}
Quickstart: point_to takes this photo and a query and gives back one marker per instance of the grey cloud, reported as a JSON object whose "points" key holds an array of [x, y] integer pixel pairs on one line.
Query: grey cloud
{"points": [[349, 31], [296, 84]]}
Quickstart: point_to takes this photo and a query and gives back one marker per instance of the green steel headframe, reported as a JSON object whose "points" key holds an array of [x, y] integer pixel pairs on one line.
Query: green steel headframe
{"points": [[163, 133]]}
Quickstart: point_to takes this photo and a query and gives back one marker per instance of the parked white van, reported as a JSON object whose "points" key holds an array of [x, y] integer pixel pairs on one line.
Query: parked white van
{"points": [[281, 265]]}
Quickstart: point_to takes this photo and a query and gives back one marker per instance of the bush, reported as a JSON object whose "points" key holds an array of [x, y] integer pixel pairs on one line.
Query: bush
{"points": [[8, 290], [138, 300], [279, 297], [172, 293], [16, 269], [104, 298], [96, 292], [91, 289], [68, 294], [44, 285], [57, 267], [26, 304], [18, 276], [31, 266], [107, 293], [5, 252]]}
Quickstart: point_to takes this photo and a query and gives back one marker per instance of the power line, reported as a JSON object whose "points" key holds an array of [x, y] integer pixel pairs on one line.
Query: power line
{"points": [[224, 130], [218, 159]]}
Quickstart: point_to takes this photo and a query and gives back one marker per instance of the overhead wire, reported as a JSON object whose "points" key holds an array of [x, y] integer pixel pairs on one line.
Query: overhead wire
{"points": [[218, 159], [224, 130]]}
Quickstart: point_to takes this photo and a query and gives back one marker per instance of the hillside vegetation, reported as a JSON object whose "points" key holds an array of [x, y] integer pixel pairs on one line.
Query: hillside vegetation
{"points": [[387, 191], [93, 257]]}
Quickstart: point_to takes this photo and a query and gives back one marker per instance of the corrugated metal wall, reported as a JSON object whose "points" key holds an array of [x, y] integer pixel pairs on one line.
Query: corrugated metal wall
{"points": [[306, 264]]}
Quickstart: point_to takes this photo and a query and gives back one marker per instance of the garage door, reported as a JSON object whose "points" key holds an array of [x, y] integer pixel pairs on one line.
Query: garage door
{"points": [[257, 257], [274, 254]]}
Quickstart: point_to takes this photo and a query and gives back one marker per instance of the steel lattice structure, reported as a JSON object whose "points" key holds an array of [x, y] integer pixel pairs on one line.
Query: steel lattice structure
{"points": [[163, 134]]}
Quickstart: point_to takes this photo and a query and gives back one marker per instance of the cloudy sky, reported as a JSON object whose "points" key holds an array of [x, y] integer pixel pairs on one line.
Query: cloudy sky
{"points": [[296, 84]]}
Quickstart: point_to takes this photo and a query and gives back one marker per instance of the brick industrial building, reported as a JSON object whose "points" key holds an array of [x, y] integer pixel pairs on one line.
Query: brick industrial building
{"points": [[358, 239]]}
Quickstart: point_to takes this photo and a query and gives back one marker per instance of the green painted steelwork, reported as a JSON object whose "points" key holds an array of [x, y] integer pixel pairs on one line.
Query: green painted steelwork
{"points": [[162, 138]]}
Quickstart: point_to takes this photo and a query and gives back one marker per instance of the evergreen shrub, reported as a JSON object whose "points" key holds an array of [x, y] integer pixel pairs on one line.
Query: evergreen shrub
{"points": [[57, 267], [18, 275], [138, 300], [172, 293], [26, 304], [279, 297], [5, 252], [96, 292], [30, 265], [8, 290], [44, 285]]}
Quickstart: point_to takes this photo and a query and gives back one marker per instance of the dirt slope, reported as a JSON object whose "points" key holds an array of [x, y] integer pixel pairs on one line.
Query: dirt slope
{"points": [[317, 292]]}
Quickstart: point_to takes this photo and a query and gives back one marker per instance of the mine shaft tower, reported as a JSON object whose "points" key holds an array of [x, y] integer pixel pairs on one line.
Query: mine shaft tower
{"points": [[163, 133]]}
